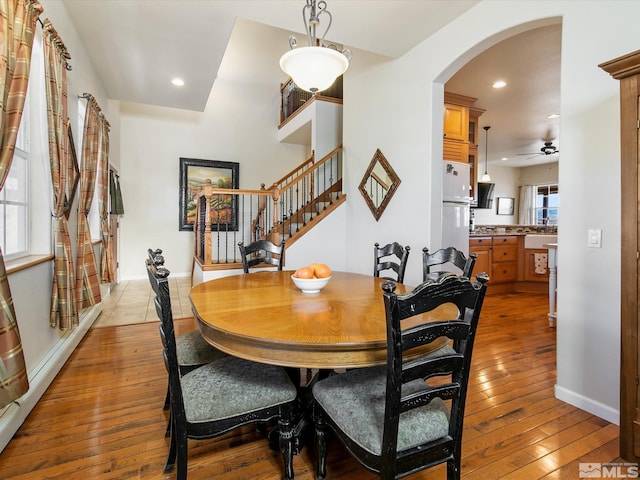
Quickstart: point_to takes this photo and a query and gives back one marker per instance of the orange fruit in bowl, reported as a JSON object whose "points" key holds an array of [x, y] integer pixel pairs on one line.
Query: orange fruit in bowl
{"points": [[321, 270], [313, 266], [304, 272]]}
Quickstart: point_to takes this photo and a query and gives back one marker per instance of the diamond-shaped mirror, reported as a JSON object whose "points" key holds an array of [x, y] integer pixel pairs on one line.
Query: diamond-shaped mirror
{"points": [[378, 184]]}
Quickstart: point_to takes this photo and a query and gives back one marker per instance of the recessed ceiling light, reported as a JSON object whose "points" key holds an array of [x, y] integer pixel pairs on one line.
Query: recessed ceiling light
{"points": [[504, 158], [178, 82], [553, 115], [500, 84]]}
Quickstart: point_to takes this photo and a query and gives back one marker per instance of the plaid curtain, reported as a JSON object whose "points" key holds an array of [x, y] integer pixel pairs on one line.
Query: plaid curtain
{"points": [[63, 306], [107, 267], [17, 24], [87, 280]]}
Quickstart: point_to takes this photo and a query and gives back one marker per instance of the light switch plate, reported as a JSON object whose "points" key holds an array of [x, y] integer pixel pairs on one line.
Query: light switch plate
{"points": [[594, 239]]}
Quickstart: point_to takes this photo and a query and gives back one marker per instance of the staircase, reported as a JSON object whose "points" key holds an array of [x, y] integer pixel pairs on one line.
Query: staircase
{"points": [[287, 210]]}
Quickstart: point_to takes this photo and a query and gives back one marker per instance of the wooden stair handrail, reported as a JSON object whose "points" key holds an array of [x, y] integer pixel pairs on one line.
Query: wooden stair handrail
{"points": [[307, 162], [316, 165]]}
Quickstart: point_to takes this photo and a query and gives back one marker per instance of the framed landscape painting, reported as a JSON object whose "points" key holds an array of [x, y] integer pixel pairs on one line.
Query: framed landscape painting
{"points": [[224, 208]]}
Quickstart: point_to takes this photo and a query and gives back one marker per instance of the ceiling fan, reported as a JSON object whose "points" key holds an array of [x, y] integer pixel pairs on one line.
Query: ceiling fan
{"points": [[547, 149]]}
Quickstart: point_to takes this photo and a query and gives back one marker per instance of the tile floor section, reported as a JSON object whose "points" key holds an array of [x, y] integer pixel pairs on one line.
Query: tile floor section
{"points": [[132, 302]]}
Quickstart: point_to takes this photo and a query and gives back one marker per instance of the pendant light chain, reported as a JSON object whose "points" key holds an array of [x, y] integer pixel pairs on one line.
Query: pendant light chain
{"points": [[486, 177]]}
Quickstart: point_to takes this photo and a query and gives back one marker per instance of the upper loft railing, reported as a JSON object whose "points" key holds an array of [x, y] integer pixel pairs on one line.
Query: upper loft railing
{"points": [[292, 98], [284, 211]]}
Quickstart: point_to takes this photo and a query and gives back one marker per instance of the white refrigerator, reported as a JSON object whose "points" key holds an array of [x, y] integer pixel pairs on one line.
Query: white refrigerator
{"points": [[456, 206]]}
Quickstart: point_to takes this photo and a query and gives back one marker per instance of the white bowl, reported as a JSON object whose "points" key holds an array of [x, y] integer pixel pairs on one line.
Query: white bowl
{"points": [[310, 285]]}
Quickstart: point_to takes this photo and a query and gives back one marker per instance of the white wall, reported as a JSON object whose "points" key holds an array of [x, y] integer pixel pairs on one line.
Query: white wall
{"points": [[546, 173], [506, 180], [397, 107]]}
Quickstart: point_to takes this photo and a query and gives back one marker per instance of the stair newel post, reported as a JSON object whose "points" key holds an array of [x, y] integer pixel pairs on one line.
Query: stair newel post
{"points": [[207, 221], [198, 226], [312, 185], [275, 236], [259, 223], [197, 244]]}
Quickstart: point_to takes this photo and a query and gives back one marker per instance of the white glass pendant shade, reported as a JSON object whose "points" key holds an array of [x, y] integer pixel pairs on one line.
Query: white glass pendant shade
{"points": [[314, 68], [486, 178]]}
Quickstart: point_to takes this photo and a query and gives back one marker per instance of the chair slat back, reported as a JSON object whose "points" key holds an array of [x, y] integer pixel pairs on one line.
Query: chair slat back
{"points": [[155, 256], [159, 280], [383, 260], [453, 367], [261, 252], [447, 255]]}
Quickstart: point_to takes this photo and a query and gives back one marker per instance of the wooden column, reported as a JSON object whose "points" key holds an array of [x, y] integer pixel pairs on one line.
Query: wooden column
{"points": [[627, 70]]}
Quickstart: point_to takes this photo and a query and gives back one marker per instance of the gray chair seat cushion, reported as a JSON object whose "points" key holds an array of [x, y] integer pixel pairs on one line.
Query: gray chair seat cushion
{"points": [[355, 402], [194, 350], [232, 386]]}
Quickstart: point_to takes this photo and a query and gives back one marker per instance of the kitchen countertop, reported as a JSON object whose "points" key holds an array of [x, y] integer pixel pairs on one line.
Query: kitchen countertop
{"points": [[496, 234], [511, 230]]}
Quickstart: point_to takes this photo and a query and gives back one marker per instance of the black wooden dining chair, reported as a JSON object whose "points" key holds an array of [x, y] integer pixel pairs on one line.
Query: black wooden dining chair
{"points": [[192, 349], [261, 252], [391, 260], [221, 395], [449, 255], [394, 419]]}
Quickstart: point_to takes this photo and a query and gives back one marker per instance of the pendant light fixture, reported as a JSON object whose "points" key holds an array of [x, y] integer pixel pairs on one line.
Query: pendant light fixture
{"points": [[486, 177], [315, 67]]}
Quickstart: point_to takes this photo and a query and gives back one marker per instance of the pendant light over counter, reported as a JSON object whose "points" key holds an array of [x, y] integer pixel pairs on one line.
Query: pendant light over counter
{"points": [[486, 177]]}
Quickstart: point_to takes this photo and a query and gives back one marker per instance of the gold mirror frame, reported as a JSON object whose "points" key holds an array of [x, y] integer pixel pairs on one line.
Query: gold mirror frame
{"points": [[379, 184]]}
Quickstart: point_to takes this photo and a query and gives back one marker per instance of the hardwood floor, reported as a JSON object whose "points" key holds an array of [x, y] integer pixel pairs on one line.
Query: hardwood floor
{"points": [[102, 417]]}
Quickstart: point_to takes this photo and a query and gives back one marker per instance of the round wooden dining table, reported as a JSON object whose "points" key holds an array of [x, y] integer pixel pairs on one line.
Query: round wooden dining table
{"points": [[264, 317]]}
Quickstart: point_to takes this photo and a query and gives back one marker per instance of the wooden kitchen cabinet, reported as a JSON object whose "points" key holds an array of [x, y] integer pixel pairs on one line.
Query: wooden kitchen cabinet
{"points": [[474, 121], [456, 122], [504, 259], [497, 256], [460, 136], [481, 246]]}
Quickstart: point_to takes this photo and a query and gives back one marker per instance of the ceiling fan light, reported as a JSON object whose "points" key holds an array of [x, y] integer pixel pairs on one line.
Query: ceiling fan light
{"points": [[314, 68]]}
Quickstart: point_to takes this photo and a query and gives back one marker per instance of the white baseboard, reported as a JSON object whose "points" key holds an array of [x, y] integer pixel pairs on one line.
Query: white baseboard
{"points": [[588, 405], [14, 414]]}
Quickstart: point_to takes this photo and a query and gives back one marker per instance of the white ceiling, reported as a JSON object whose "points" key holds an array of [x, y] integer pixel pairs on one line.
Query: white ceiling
{"points": [[142, 44]]}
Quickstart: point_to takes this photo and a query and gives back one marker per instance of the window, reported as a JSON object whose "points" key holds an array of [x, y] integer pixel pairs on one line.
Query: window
{"points": [[25, 200], [14, 198], [547, 205]]}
